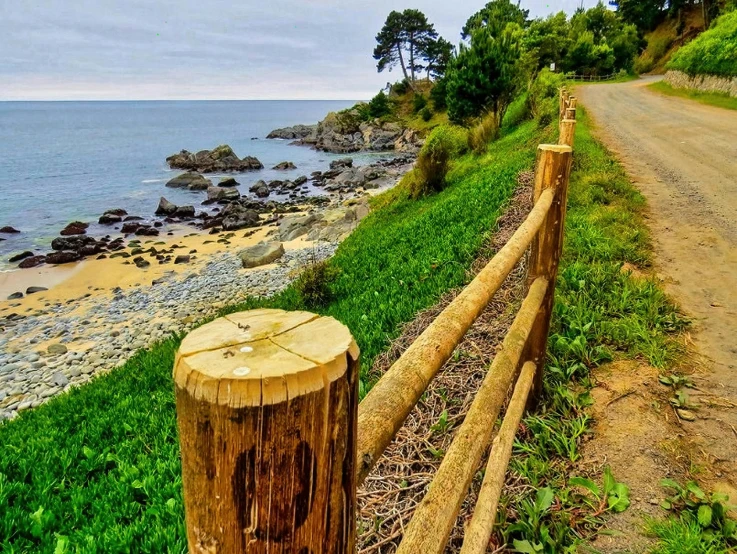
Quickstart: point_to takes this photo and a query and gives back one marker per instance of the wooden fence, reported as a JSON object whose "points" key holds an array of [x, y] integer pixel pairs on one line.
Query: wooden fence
{"points": [[591, 78], [274, 443]]}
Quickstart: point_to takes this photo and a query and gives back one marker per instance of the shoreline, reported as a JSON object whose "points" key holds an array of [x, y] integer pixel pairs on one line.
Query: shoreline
{"points": [[97, 313]]}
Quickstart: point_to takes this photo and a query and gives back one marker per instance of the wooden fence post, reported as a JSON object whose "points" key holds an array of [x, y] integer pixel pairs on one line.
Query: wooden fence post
{"points": [[552, 171], [567, 132], [563, 102], [267, 408], [570, 113]]}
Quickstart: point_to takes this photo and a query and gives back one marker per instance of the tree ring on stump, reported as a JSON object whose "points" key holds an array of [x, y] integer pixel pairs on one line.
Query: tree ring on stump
{"points": [[262, 357]]}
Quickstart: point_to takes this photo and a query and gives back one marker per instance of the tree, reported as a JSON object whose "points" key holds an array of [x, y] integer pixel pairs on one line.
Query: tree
{"points": [[437, 54], [407, 32], [547, 40], [643, 14], [495, 16], [484, 76]]}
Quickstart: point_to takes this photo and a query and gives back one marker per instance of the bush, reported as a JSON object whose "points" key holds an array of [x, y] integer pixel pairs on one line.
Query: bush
{"points": [[400, 87], [545, 86], [445, 143], [714, 52], [314, 284], [548, 112], [426, 114], [419, 102], [645, 63], [379, 105], [481, 134], [438, 94]]}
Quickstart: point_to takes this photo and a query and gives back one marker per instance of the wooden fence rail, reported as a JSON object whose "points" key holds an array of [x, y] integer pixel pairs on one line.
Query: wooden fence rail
{"points": [[274, 443]]}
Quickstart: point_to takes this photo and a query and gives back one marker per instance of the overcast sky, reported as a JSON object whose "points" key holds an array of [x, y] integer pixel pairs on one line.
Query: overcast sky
{"points": [[210, 49]]}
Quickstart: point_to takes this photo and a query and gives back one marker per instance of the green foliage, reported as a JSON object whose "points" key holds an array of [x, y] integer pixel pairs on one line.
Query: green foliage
{"points": [[547, 40], [643, 14], [484, 77], [707, 511], [444, 144], [545, 87], [426, 114], [314, 284], [495, 16], [401, 87], [714, 52], [438, 94], [409, 39], [419, 101], [379, 105]]}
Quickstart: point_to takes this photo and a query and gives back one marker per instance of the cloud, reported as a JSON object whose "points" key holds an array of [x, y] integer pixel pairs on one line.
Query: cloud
{"points": [[136, 49]]}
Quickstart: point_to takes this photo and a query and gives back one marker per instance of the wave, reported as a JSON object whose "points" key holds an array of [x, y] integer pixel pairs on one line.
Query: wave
{"points": [[153, 180]]}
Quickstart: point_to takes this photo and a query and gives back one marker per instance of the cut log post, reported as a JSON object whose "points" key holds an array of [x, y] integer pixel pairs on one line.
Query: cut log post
{"points": [[552, 172], [267, 406], [572, 102], [563, 103], [567, 132], [570, 113]]}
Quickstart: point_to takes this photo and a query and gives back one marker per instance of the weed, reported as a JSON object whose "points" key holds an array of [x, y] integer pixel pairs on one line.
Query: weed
{"points": [[481, 134], [314, 284]]}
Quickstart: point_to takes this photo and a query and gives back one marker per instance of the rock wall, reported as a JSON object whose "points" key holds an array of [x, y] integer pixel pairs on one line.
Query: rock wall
{"points": [[702, 83]]}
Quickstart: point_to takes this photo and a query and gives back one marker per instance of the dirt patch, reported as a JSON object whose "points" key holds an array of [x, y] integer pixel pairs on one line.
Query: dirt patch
{"points": [[635, 433]]}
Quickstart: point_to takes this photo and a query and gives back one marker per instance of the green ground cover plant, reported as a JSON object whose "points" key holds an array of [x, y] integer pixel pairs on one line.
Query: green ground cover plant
{"points": [[709, 98]]}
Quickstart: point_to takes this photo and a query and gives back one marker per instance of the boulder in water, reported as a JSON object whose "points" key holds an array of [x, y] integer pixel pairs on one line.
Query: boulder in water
{"points": [[74, 228], [190, 180]]}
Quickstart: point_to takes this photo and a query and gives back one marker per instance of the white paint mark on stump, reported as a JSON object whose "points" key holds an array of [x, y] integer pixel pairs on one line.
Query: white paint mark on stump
{"points": [[241, 371], [247, 349]]}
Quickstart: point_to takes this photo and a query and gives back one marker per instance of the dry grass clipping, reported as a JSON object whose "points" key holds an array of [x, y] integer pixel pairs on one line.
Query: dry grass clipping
{"points": [[388, 497]]}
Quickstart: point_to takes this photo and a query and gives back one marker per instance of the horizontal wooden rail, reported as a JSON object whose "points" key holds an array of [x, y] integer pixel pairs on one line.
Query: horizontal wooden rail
{"points": [[433, 520], [476, 537], [383, 411]]}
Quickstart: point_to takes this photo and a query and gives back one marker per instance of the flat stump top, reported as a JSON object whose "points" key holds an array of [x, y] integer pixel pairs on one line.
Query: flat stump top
{"points": [[263, 357]]}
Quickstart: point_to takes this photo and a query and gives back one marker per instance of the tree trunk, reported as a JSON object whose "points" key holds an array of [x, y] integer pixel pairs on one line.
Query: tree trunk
{"points": [[412, 56], [267, 404], [401, 61]]}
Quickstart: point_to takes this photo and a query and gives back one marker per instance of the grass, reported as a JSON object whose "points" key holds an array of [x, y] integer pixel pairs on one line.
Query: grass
{"points": [[709, 98], [97, 469]]}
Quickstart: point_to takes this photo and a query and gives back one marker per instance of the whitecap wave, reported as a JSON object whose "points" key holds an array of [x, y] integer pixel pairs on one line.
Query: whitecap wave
{"points": [[153, 180]]}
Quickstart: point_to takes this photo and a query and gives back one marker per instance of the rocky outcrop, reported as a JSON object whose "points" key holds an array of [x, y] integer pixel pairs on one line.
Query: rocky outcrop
{"points": [[9, 230], [33, 261], [261, 189], [221, 158], [74, 228], [228, 182], [261, 254], [219, 194], [63, 257], [293, 133], [236, 216], [21, 256], [283, 166], [190, 180], [165, 207]]}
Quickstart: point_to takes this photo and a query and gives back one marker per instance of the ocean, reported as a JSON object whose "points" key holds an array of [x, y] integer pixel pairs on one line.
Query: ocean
{"points": [[66, 161]]}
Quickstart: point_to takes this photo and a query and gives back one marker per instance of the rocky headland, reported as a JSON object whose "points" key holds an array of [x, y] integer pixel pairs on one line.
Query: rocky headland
{"points": [[345, 132]]}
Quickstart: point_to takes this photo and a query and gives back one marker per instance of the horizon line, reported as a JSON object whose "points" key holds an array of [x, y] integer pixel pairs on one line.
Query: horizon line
{"points": [[187, 100]]}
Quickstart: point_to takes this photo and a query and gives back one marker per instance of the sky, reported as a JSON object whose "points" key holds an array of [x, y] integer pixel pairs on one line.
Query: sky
{"points": [[208, 49]]}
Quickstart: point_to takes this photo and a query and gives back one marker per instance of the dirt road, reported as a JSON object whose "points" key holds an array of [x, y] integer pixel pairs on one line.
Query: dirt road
{"points": [[682, 155]]}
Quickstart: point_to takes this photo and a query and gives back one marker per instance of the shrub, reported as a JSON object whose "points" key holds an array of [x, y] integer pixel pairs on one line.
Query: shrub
{"points": [[379, 105], [645, 63], [445, 143], [714, 52], [419, 102], [545, 86], [314, 284], [426, 114], [400, 87], [438, 94], [481, 134]]}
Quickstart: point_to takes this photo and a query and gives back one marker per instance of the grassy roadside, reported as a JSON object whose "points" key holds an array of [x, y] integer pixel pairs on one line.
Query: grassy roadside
{"points": [[601, 313], [708, 98], [97, 469]]}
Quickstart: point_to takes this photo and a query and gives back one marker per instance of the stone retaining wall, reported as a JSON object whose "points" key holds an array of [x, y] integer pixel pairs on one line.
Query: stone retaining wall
{"points": [[703, 83]]}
